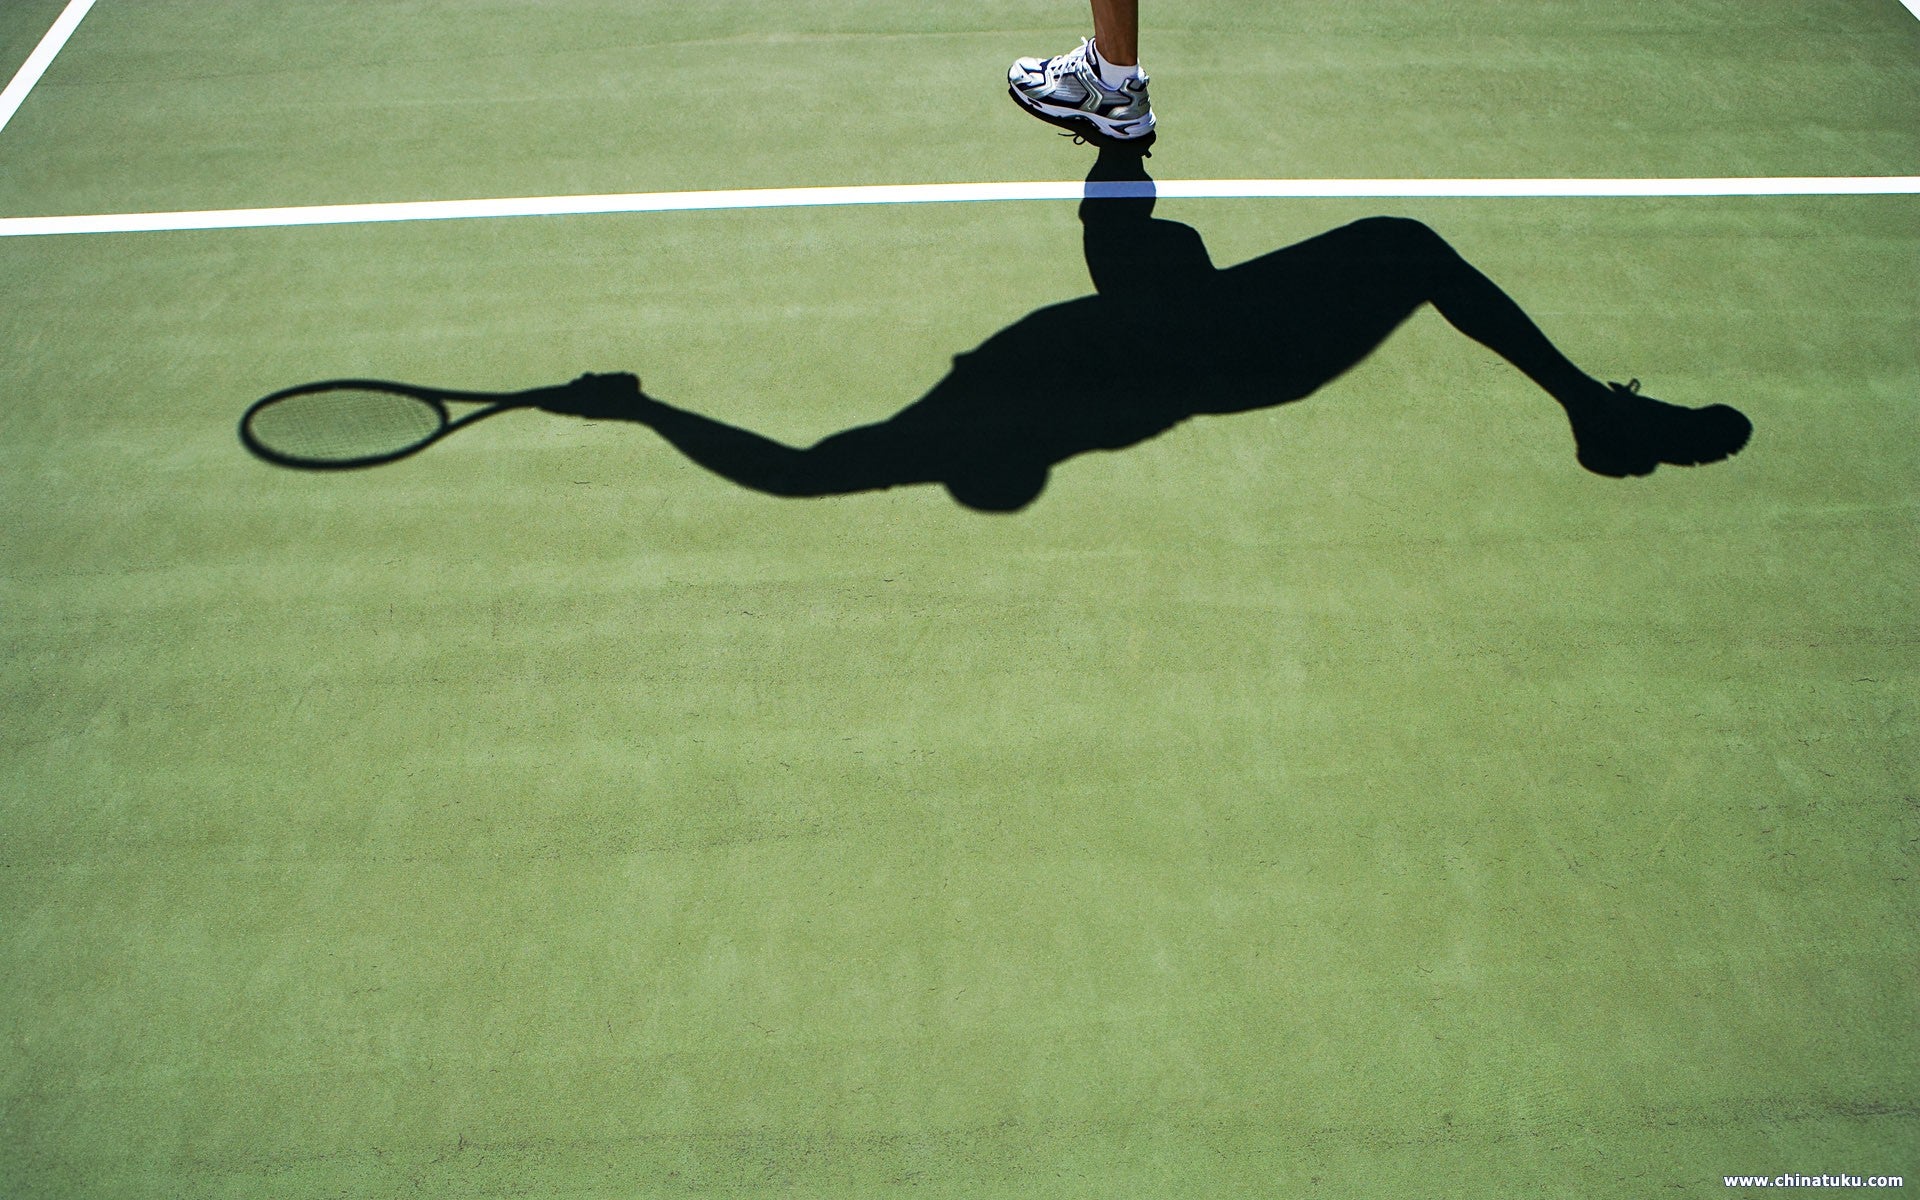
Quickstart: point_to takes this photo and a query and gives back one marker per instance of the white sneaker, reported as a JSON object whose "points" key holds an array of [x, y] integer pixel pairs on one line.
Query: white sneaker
{"points": [[1067, 91]]}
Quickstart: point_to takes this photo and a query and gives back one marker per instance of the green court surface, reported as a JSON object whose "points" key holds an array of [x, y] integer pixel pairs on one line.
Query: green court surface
{"points": [[1353, 797]]}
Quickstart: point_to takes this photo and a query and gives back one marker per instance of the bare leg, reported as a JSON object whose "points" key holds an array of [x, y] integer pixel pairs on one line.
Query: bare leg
{"points": [[1117, 112], [1116, 31]]}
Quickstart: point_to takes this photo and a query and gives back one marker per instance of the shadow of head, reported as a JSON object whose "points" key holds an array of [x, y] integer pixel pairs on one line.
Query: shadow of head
{"points": [[997, 487]]}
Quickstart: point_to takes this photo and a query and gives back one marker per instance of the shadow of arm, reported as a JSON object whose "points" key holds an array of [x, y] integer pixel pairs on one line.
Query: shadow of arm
{"points": [[863, 459]]}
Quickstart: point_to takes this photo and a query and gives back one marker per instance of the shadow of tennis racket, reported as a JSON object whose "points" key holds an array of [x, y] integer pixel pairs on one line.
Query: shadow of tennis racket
{"points": [[340, 424]]}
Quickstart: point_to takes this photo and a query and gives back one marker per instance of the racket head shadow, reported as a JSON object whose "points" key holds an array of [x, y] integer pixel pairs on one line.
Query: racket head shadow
{"points": [[344, 423]]}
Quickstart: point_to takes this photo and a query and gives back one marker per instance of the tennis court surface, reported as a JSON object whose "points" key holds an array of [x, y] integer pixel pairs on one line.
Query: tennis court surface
{"points": [[1350, 797]]}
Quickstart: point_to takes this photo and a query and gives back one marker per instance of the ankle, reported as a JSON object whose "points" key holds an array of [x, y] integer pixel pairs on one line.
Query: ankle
{"points": [[1579, 393], [1112, 74]]}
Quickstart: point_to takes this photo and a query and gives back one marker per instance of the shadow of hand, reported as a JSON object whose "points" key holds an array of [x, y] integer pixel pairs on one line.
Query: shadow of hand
{"points": [[613, 395]]}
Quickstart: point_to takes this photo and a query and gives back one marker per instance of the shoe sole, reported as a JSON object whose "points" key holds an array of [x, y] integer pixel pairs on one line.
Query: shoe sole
{"points": [[1083, 127]]}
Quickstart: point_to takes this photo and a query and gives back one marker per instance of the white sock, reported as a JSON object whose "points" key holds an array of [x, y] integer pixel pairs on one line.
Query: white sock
{"points": [[1110, 74]]}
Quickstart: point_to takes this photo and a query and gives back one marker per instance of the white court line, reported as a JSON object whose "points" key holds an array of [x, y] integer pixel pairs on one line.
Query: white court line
{"points": [[41, 58], [1913, 6], [935, 193]]}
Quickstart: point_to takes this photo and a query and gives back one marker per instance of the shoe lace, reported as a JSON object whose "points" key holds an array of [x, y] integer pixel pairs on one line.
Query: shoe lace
{"points": [[1073, 62], [1081, 139]]}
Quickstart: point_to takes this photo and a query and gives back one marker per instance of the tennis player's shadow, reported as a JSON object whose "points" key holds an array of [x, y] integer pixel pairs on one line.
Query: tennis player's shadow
{"points": [[1168, 336]]}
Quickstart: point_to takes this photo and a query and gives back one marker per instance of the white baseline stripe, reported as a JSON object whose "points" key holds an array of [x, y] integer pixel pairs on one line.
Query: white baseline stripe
{"points": [[1913, 6], [42, 57], [936, 193]]}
